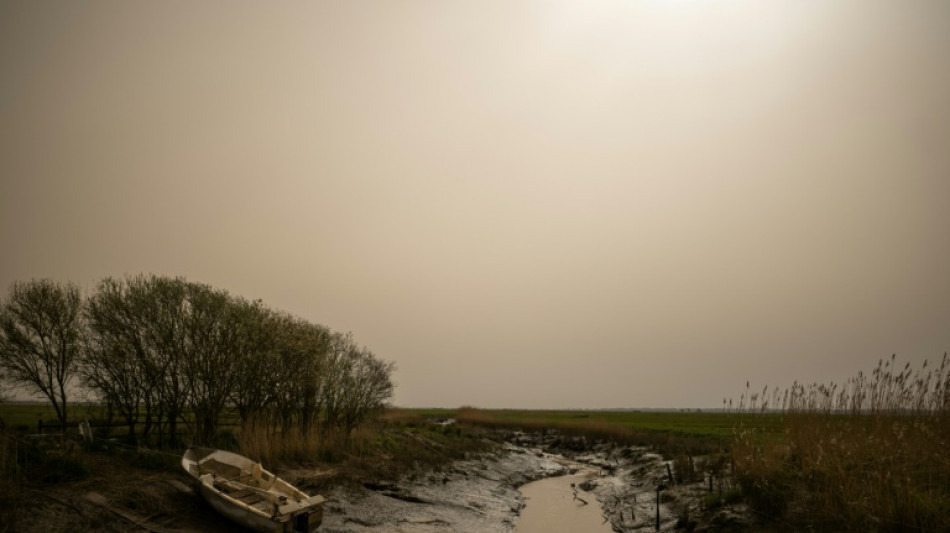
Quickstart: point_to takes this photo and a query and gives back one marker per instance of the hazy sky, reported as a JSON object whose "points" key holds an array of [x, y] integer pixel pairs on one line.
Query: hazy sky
{"points": [[524, 204]]}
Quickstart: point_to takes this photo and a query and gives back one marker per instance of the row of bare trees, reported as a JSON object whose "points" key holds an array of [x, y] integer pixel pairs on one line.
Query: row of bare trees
{"points": [[161, 352]]}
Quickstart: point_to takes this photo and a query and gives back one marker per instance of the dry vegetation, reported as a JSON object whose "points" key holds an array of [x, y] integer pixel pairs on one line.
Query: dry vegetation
{"points": [[870, 455], [398, 443]]}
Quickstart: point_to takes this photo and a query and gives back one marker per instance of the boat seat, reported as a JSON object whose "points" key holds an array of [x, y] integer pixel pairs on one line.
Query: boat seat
{"points": [[251, 499], [255, 499], [259, 479], [213, 466], [247, 493]]}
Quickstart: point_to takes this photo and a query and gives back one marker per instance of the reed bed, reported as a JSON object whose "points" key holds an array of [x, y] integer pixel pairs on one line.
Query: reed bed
{"points": [[264, 438], [868, 455], [397, 443]]}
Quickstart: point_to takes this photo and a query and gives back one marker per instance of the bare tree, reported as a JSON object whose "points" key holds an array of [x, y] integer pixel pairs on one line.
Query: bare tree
{"points": [[165, 325], [314, 342], [336, 380], [41, 338], [368, 387], [213, 334], [255, 358], [4, 390], [299, 352], [185, 352], [116, 356]]}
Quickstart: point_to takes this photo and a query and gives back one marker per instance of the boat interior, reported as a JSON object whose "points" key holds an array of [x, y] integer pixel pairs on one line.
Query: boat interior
{"points": [[249, 487]]}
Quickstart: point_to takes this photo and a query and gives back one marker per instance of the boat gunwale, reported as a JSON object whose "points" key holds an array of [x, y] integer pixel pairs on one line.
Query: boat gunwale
{"points": [[188, 460]]}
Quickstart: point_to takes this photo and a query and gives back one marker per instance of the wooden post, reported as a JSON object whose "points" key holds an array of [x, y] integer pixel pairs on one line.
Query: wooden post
{"points": [[658, 489], [669, 473], [710, 483], [39, 426]]}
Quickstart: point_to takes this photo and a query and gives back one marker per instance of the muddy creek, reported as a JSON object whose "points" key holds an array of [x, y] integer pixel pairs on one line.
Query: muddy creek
{"points": [[552, 507]]}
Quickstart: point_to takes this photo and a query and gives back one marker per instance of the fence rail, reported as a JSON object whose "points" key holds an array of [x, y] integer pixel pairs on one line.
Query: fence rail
{"points": [[42, 427]]}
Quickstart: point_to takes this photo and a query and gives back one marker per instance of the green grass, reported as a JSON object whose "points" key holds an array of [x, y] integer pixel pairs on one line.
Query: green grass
{"points": [[717, 425], [17, 414], [669, 432], [712, 424], [27, 414]]}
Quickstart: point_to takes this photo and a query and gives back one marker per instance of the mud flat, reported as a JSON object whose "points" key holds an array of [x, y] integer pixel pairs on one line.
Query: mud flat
{"points": [[618, 483], [473, 495], [625, 485], [480, 494]]}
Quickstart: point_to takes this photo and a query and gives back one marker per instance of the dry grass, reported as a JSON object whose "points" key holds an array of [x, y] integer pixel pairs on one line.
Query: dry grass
{"points": [[867, 456], [262, 438], [398, 443]]}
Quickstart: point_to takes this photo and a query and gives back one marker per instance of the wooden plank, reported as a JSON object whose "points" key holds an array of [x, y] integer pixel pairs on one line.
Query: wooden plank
{"points": [[137, 520], [180, 487], [251, 499]]}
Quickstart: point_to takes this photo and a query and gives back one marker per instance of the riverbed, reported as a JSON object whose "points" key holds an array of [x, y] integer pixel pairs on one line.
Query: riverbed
{"points": [[494, 493], [477, 495], [554, 505]]}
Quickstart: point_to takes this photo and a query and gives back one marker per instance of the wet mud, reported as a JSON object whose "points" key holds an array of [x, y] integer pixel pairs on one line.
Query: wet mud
{"points": [[554, 505], [474, 495], [482, 495]]}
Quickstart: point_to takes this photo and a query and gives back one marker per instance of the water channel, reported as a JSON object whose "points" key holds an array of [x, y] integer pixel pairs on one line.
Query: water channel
{"points": [[553, 508]]}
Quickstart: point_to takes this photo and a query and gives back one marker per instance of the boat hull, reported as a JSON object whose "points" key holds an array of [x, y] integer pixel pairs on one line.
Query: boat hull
{"points": [[287, 508]]}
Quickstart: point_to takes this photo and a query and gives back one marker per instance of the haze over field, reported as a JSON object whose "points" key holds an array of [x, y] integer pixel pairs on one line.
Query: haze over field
{"points": [[522, 204]]}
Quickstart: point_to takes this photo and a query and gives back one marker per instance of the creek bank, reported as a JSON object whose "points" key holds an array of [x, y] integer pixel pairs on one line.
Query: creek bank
{"points": [[471, 495], [481, 494], [626, 487]]}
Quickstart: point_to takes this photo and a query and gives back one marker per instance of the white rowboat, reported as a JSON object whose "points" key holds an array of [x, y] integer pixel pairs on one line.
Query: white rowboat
{"points": [[241, 490]]}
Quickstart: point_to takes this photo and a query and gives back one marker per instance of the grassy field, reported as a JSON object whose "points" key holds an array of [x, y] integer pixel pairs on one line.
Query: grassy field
{"points": [[25, 415], [669, 432], [717, 425], [712, 426]]}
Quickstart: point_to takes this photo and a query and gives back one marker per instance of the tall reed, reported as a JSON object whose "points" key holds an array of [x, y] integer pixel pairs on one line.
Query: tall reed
{"points": [[868, 455], [264, 438]]}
